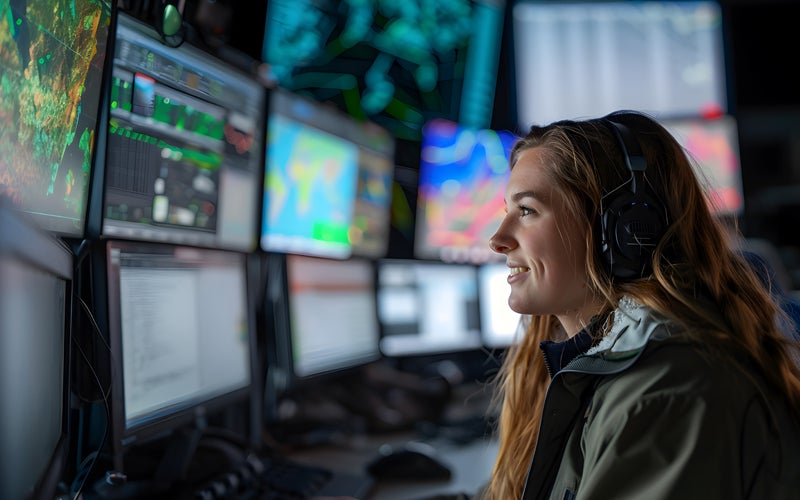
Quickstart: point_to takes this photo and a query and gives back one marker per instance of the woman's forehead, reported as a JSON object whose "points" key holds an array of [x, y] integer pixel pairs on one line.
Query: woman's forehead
{"points": [[530, 173]]}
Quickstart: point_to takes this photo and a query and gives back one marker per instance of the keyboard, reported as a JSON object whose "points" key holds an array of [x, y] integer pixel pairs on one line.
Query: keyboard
{"points": [[276, 478]]}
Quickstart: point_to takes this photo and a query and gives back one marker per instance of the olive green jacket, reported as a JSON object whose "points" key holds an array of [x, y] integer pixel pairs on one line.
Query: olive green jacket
{"points": [[645, 415]]}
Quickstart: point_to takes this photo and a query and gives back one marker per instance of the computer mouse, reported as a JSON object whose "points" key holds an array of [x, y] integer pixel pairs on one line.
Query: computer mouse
{"points": [[411, 461]]}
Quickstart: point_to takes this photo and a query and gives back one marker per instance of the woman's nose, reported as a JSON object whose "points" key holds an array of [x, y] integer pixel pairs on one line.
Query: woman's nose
{"points": [[500, 242]]}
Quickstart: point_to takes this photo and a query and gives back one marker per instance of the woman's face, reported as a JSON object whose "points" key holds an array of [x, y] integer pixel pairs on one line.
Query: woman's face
{"points": [[545, 247]]}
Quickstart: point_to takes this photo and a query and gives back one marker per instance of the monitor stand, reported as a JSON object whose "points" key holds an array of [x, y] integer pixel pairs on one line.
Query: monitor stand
{"points": [[171, 469], [177, 457]]}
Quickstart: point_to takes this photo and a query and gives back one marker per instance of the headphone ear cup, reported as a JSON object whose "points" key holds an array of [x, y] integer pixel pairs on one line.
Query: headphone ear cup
{"points": [[635, 220], [631, 228]]}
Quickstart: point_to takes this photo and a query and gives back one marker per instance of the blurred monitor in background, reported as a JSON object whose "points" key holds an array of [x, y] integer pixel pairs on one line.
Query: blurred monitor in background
{"points": [[35, 335], [500, 325], [397, 64], [586, 59], [713, 144], [462, 179], [311, 178], [427, 307], [332, 318], [369, 232]]}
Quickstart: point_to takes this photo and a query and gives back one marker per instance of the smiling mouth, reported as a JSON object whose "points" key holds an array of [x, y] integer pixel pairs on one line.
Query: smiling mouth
{"points": [[516, 270]]}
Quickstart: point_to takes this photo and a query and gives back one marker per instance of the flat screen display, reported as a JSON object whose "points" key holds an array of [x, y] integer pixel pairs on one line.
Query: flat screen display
{"points": [[427, 307], [181, 335], [396, 64], [369, 232], [52, 58], [35, 329], [500, 325], [586, 59], [333, 320], [185, 145], [311, 178], [713, 145], [462, 180]]}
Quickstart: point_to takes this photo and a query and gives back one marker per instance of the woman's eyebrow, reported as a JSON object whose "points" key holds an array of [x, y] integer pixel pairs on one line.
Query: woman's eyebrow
{"points": [[516, 197]]}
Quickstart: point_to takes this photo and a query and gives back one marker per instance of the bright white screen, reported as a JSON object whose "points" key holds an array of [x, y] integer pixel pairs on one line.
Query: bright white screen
{"points": [[499, 323], [332, 314], [35, 277], [427, 307], [184, 329], [586, 59], [32, 309]]}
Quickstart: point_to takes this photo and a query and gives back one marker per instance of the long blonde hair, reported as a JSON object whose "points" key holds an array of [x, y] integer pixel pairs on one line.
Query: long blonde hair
{"points": [[698, 279]]}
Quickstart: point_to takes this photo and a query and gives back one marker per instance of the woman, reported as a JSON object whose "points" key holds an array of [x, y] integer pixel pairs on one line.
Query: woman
{"points": [[654, 364]]}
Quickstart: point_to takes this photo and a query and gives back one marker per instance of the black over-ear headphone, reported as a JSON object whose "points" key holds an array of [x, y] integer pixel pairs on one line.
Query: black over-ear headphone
{"points": [[633, 219]]}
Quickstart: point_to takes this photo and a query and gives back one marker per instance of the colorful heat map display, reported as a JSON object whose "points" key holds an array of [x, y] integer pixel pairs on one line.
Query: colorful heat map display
{"points": [[713, 146], [462, 179], [52, 55], [310, 186]]}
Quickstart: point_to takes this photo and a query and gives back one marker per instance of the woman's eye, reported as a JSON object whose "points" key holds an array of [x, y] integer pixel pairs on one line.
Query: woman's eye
{"points": [[523, 211]]}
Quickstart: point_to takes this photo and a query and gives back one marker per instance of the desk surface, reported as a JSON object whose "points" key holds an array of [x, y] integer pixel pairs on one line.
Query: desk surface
{"points": [[470, 463]]}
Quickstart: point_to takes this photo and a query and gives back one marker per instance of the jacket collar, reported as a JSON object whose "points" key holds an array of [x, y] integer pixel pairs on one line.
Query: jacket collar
{"points": [[634, 325]]}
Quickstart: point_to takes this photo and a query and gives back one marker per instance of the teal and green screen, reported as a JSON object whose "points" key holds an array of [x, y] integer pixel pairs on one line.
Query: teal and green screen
{"points": [[52, 55], [399, 64], [310, 179]]}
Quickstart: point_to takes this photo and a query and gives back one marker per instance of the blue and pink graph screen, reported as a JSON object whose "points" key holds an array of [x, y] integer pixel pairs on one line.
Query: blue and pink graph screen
{"points": [[462, 179]]}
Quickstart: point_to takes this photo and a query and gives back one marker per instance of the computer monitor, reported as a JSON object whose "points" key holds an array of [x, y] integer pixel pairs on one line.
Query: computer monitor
{"points": [[584, 59], [182, 338], [311, 177], [332, 322], [463, 174], [713, 146], [184, 150], [52, 66], [394, 64], [35, 329], [500, 325], [369, 232], [427, 308]]}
